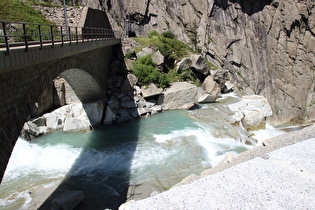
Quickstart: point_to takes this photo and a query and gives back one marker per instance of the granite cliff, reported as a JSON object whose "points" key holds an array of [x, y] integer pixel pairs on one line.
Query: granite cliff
{"points": [[267, 46]]}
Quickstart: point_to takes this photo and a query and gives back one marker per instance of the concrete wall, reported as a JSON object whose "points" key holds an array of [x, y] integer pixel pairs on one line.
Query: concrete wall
{"points": [[21, 87]]}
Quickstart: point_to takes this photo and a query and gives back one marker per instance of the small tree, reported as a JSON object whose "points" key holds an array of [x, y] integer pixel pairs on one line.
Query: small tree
{"points": [[193, 35]]}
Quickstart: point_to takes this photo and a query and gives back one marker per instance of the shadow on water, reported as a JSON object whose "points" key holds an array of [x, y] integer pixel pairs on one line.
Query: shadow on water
{"points": [[102, 170]]}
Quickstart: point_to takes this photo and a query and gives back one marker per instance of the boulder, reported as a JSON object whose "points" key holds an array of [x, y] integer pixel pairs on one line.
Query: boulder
{"points": [[123, 115], [184, 64], [72, 124], [54, 121], [254, 108], [207, 98], [253, 119], [158, 58], [181, 95], [221, 76], [113, 104], [156, 109], [199, 64], [110, 116], [128, 104], [145, 51], [211, 87], [259, 102], [229, 87], [129, 83], [151, 90], [67, 200], [94, 111], [142, 111]]}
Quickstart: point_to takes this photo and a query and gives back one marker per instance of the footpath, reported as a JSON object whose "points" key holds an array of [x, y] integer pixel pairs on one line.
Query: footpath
{"points": [[278, 175]]}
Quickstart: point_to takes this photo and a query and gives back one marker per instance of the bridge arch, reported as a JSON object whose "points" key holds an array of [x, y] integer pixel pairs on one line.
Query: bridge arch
{"points": [[21, 87], [83, 84]]}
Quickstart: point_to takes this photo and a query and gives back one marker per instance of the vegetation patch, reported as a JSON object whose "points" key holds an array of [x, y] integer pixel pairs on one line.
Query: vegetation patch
{"points": [[18, 11], [173, 50], [146, 72]]}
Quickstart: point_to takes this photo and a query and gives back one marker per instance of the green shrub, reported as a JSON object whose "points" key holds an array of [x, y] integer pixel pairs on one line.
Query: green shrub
{"points": [[130, 55], [153, 34], [144, 69], [168, 34]]}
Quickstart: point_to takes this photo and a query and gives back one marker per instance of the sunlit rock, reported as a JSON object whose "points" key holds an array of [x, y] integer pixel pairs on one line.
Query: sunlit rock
{"points": [[151, 90], [181, 95]]}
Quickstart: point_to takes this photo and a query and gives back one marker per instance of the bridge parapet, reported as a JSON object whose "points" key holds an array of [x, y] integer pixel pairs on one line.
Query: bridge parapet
{"points": [[23, 44]]}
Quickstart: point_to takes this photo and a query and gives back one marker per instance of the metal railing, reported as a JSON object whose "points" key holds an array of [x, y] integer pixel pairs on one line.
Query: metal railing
{"points": [[17, 35]]}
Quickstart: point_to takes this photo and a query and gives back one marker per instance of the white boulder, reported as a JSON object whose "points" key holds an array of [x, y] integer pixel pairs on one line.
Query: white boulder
{"points": [[181, 95]]}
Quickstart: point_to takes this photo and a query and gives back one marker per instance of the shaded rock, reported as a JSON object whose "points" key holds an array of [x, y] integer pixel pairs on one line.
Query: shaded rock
{"points": [[199, 64], [67, 200], [94, 111], [113, 104], [151, 90], [123, 115], [229, 87], [183, 65], [110, 116], [221, 76], [181, 95], [129, 83], [128, 104]]}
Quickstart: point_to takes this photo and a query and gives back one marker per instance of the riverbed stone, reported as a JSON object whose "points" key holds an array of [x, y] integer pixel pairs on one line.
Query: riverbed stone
{"points": [[181, 95], [211, 87], [72, 124], [151, 90]]}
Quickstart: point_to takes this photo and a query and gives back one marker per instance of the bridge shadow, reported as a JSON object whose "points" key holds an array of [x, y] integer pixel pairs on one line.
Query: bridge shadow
{"points": [[102, 170]]}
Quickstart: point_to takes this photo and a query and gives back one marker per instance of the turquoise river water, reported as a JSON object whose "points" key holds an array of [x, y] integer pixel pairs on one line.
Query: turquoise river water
{"points": [[114, 163]]}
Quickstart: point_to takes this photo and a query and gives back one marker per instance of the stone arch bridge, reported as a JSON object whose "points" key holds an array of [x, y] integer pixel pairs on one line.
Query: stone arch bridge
{"points": [[26, 72]]}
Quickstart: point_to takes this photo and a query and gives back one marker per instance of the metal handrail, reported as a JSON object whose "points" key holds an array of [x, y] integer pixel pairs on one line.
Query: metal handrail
{"points": [[19, 34]]}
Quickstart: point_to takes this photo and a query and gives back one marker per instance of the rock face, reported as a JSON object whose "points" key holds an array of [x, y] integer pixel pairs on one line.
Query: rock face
{"points": [[267, 45]]}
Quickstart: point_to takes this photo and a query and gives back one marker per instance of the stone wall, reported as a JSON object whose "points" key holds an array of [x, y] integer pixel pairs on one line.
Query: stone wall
{"points": [[21, 89]]}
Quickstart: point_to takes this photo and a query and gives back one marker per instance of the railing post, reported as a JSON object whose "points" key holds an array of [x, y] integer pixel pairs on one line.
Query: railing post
{"points": [[40, 36], [76, 34], [69, 34], [25, 37], [61, 33], [52, 36], [92, 33], [5, 37]]}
